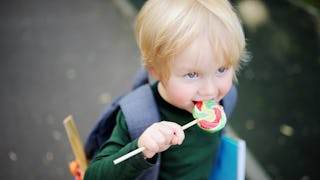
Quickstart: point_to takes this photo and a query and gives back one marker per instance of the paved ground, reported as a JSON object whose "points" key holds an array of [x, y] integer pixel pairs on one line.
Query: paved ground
{"points": [[57, 58]]}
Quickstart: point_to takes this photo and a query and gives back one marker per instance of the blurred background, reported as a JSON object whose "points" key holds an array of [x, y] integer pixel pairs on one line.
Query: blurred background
{"points": [[74, 56]]}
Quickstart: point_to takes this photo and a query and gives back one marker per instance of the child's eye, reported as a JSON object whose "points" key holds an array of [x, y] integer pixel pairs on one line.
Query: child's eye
{"points": [[192, 75], [221, 70]]}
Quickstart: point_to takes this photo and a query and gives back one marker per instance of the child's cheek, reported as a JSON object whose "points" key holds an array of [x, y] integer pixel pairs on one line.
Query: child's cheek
{"points": [[225, 87], [181, 96]]}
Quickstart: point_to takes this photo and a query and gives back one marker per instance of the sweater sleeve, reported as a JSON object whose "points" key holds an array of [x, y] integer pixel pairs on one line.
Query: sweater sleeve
{"points": [[119, 144]]}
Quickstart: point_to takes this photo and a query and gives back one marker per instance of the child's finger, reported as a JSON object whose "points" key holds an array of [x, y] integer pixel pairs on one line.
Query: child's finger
{"points": [[177, 135], [167, 132], [156, 136], [160, 136], [152, 138], [149, 140]]}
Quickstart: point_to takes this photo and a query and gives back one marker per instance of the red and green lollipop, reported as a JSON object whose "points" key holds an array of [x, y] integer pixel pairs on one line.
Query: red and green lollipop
{"points": [[210, 116]]}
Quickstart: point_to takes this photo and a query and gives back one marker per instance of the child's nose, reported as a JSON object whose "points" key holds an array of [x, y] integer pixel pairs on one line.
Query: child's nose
{"points": [[209, 90]]}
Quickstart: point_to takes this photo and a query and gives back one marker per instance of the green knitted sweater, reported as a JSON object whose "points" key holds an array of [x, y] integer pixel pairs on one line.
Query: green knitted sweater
{"points": [[193, 159]]}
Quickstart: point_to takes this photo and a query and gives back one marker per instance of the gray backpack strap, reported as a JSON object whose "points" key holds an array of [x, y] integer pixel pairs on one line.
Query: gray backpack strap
{"points": [[140, 110], [141, 78], [229, 101]]}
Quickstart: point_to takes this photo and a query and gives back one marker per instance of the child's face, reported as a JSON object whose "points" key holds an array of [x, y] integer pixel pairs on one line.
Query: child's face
{"points": [[196, 75]]}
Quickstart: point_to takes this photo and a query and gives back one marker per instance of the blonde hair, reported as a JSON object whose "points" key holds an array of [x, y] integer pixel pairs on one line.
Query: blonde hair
{"points": [[165, 27]]}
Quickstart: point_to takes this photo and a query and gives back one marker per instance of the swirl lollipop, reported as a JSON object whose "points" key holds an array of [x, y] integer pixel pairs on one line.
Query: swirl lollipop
{"points": [[210, 116]]}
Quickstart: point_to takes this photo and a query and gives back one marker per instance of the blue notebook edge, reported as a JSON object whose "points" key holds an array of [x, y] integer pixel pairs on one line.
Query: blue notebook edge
{"points": [[231, 160]]}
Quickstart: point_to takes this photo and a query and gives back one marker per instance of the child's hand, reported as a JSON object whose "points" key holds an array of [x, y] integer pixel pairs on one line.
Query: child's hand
{"points": [[159, 137]]}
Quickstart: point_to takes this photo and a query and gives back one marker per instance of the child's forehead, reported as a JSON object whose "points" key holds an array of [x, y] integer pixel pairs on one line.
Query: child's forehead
{"points": [[200, 52]]}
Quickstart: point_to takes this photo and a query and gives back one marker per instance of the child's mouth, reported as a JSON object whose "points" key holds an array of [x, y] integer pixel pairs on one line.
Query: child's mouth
{"points": [[194, 102]]}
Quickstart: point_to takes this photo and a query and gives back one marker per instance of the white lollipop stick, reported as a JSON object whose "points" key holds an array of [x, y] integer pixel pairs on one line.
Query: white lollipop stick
{"points": [[139, 150]]}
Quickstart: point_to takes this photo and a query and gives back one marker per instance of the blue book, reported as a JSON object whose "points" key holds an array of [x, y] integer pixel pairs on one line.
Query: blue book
{"points": [[230, 162]]}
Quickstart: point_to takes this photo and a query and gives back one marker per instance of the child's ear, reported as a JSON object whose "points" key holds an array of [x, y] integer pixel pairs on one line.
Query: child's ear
{"points": [[153, 73]]}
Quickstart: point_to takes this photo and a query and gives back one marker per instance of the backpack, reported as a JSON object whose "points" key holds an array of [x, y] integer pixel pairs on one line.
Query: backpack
{"points": [[140, 96]]}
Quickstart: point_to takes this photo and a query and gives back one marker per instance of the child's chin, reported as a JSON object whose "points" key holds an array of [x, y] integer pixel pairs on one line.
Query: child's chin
{"points": [[190, 108]]}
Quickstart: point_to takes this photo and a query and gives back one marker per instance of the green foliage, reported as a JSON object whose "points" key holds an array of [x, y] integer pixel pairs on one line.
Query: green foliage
{"points": [[314, 3]]}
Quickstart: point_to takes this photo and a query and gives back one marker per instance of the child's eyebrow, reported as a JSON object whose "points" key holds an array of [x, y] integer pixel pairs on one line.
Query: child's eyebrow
{"points": [[185, 69]]}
